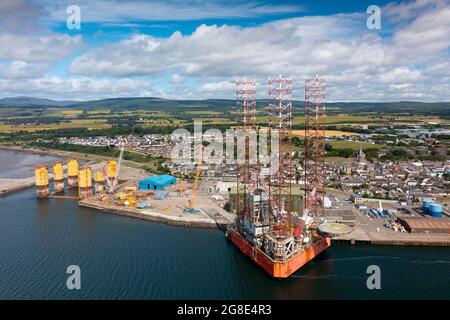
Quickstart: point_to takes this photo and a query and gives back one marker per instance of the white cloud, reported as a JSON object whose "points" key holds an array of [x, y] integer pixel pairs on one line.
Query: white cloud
{"points": [[214, 87], [410, 59], [227, 51], [46, 48], [426, 37], [400, 75], [170, 10], [77, 88], [176, 78], [358, 62], [291, 46], [22, 69], [21, 17], [438, 69], [28, 48], [407, 10]]}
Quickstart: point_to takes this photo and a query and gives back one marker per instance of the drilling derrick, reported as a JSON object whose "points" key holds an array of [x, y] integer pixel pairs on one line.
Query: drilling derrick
{"points": [[280, 123], [314, 152], [249, 199], [246, 119]]}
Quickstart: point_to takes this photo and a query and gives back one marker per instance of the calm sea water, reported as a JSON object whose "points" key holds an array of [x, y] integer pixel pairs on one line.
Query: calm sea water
{"points": [[125, 258], [16, 164]]}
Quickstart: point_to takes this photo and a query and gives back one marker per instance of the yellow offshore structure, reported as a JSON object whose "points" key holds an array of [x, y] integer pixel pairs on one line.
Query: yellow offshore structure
{"points": [[58, 177], [85, 182], [111, 172], [72, 173], [99, 180], [41, 173]]}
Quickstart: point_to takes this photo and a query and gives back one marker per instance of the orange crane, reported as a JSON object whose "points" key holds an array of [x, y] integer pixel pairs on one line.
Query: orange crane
{"points": [[186, 199], [198, 173], [191, 204]]}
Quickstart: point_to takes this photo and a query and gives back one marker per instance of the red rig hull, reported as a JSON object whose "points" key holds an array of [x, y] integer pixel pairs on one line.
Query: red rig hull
{"points": [[278, 269]]}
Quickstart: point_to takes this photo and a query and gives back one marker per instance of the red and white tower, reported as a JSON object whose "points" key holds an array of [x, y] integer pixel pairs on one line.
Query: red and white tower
{"points": [[314, 152], [280, 122], [246, 169]]}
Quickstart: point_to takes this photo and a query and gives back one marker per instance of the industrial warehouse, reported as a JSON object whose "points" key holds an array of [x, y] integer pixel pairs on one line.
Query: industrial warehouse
{"points": [[433, 225]]}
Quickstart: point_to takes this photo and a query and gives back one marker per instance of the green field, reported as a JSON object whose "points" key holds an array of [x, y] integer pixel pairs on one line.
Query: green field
{"points": [[343, 144], [155, 112], [204, 112]]}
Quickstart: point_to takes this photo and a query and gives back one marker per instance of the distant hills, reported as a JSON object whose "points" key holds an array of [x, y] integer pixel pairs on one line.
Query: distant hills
{"points": [[29, 101], [154, 103], [126, 103]]}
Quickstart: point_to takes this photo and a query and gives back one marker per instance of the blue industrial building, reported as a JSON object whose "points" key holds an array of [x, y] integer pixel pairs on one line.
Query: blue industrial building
{"points": [[157, 182]]}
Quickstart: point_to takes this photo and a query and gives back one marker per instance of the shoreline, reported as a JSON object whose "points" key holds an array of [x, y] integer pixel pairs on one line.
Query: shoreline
{"points": [[66, 155], [12, 185], [52, 153], [9, 186], [210, 223]]}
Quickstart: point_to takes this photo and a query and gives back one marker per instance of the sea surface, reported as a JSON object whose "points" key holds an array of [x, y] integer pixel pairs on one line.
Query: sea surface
{"points": [[18, 164], [126, 258]]}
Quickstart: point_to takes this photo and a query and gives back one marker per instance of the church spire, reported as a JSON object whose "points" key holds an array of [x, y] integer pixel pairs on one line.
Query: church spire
{"points": [[361, 156]]}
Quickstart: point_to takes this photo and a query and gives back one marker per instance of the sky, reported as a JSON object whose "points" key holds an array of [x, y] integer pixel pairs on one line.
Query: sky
{"points": [[194, 49]]}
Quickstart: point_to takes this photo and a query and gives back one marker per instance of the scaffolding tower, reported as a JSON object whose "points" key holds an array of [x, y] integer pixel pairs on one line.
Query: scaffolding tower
{"points": [[246, 169], [280, 122], [314, 145]]}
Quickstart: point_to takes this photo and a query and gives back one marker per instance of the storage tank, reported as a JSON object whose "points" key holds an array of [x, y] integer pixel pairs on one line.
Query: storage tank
{"points": [[436, 210], [99, 180], [85, 182], [41, 174], [58, 177], [426, 205], [72, 173]]}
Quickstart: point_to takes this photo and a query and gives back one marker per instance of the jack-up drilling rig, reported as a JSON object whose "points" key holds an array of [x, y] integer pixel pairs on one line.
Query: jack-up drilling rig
{"points": [[269, 228]]}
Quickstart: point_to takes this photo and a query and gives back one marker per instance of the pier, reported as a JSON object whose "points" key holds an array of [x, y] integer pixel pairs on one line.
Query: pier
{"points": [[185, 220], [361, 236], [8, 186]]}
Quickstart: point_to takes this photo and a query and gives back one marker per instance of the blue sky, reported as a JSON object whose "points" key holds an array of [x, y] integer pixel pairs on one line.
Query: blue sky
{"points": [[116, 27], [195, 49]]}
